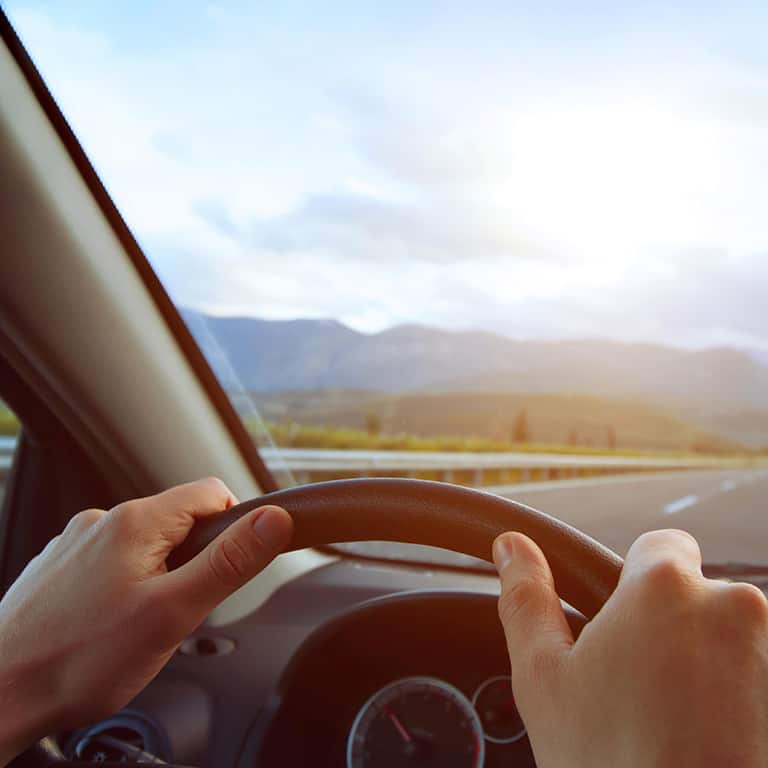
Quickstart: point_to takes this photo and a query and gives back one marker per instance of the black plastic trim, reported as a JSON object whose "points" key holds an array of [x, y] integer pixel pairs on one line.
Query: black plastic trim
{"points": [[42, 491]]}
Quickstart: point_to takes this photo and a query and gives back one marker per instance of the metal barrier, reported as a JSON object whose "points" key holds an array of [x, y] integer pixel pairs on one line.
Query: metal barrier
{"points": [[309, 464], [7, 448]]}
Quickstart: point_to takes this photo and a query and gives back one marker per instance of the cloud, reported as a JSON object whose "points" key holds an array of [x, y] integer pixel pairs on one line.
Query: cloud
{"points": [[709, 297], [362, 228], [703, 298], [454, 175]]}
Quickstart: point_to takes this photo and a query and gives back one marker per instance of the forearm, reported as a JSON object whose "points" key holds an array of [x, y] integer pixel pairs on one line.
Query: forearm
{"points": [[18, 726], [26, 711]]}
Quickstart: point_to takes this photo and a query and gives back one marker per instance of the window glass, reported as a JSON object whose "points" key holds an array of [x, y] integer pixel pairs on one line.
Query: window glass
{"points": [[519, 246]]}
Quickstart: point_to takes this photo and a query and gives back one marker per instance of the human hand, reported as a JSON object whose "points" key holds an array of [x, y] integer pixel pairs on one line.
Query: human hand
{"points": [[95, 616], [671, 673]]}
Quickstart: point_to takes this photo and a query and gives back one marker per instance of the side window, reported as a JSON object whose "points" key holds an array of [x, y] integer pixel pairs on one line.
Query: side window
{"points": [[9, 430]]}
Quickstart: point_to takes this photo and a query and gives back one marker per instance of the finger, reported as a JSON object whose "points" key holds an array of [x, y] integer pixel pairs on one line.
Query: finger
{"points": [[168, 517], [657, 550], [530, 611], [231, 560]]}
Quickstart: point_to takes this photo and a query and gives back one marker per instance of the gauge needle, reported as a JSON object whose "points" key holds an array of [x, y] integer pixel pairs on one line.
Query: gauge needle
{"points": [[401, 729]]}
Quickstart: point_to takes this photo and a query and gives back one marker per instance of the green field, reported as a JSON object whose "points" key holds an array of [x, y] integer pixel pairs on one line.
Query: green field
{"points": [[487, 421], [9, 424], [546, 415], [293, 435]]}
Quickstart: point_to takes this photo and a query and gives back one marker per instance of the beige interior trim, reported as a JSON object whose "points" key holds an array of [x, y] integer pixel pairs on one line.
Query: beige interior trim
{"points": [[83, 328]]}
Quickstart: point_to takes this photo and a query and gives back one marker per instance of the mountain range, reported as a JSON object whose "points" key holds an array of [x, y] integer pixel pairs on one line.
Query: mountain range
{"points": [[307, 354], [427, 381]]}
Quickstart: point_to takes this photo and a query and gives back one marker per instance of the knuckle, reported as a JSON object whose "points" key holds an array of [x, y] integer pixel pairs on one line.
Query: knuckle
{"points": [[666, 536], [651, 538], [523, 596], [214, 486], [127, 523], [666, 577], [125, 516], [82, 521], [229, 562], [748, 604], [51, 545]]}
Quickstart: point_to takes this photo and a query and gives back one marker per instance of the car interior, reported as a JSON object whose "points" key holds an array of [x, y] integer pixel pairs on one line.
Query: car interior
{"points": [[116, 400], [99, 368]]}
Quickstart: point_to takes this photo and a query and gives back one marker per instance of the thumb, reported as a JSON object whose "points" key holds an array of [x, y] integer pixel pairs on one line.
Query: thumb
{"points": [[534, 624], [233, 558]]}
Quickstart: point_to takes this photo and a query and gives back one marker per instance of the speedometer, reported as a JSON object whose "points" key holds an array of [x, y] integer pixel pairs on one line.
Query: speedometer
{"points": [[416, 721], [497, 710]]}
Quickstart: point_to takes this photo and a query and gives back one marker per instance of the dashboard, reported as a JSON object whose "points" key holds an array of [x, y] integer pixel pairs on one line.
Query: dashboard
{"points": [[413, 679], [355, 664]]}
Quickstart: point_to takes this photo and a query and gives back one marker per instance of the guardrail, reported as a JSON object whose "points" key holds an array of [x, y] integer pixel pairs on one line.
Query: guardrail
{"points": [[477, 469], [7, 447], [307, 464]]}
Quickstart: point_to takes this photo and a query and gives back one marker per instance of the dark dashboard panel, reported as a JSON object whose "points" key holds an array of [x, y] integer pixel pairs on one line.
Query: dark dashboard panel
{"points": [[454, 637], [298, 669], [231, 690]]}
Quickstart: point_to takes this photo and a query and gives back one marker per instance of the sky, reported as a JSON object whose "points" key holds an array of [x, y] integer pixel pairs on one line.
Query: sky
{"points": [[539, 169]]}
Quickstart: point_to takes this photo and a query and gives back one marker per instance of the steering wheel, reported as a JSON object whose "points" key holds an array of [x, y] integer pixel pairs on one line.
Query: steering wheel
{"points": [[425, 512], [417, 512]]}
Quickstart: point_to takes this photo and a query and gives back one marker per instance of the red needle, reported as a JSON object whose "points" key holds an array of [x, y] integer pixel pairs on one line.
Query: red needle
{"points": [[401, 729]]}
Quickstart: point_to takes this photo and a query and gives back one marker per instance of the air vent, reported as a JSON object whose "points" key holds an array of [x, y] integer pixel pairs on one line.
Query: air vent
{"points": [[207, 645], [129, 737]]}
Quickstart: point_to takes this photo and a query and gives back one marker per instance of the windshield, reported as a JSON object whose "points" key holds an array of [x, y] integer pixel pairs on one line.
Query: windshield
{"points": [[517, 246]]}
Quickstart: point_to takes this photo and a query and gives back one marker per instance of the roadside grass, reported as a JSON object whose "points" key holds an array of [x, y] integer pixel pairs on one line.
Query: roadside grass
{"points": [[499, 421], [9, 424], [294, 435]]}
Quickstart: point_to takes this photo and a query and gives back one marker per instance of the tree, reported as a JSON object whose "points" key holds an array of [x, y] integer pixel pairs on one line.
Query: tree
{"points": [[372, 424], [520, 432]]}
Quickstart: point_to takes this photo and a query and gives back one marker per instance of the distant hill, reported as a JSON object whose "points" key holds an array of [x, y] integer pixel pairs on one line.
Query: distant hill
{"points": [[270, 356]]}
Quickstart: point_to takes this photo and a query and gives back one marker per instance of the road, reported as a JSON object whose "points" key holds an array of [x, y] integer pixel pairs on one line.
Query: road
{"points": [[727, 511]]}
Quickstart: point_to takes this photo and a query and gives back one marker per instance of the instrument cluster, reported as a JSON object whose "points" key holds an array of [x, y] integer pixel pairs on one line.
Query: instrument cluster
{"points": [[427, 721]]}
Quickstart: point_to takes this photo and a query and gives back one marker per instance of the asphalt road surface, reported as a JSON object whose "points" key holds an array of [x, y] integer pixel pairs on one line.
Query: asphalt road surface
{"points": [[727, 511]]}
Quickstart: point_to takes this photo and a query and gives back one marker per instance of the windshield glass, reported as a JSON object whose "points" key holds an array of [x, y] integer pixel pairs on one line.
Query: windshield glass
{"points": [[518, 246]]}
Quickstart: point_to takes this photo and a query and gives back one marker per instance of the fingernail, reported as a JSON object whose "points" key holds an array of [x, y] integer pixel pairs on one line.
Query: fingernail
{"points": [[503, 551], [269, 526]]}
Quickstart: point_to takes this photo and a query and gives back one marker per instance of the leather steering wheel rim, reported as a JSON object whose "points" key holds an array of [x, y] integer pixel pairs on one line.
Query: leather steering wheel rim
{"points": [[425, 512]]}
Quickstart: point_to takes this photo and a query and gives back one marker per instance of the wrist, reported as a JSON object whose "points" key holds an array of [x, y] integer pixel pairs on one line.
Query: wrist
{"points": [[26, 714]]}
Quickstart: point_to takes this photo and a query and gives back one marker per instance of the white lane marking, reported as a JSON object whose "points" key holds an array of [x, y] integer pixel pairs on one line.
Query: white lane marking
{"points": [[577, 482], [727, 485], [587, 482], [680, 504]]}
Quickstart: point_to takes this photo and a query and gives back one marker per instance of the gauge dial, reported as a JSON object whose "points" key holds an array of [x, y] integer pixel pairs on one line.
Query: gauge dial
{"points": [[416, 721], [495, 705]]}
